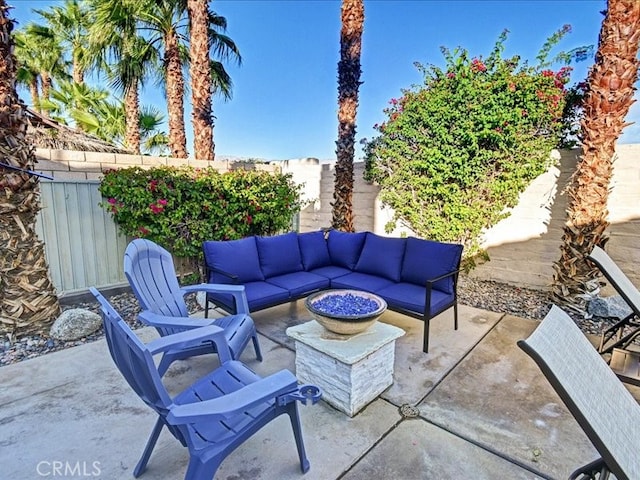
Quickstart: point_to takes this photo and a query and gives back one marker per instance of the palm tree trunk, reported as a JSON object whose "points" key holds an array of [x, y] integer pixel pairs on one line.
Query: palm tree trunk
{"points": [[348, 84], [606, 104], [35, 95], [175, 96], [28, 303], [77, 72], [200, 73], [132, 119]]}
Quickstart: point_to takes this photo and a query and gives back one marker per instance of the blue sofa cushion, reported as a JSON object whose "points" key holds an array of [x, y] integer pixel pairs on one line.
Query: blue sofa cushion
{"points": [[314, 250], [412, 297], [239, 257], [259, 295], [382, 256], [300, 284], [360, 281], [331, 272], [279, 255], [425, 259], [345, 247]]}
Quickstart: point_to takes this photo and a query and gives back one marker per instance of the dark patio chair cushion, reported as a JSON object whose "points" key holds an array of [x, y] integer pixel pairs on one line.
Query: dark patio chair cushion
{"points": [[345, 247], [382, 256], [412, 297], [360, 281], [259, 295], [425, 259], [300, 284], [331, 272], [314, 250], [238, 257], [279, 254]]}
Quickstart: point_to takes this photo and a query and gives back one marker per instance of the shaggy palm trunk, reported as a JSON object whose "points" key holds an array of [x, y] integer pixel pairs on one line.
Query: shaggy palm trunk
{"points": [[28, 303], [200, 72], [175, 96], [348, 85], [35, 95], [77, 72], [607, 102], [132, 118]]}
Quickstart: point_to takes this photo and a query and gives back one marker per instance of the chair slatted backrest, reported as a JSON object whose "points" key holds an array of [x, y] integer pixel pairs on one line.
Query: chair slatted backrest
{"points": [[133, 359], [600, 403], [150, 271], [617, 278]]}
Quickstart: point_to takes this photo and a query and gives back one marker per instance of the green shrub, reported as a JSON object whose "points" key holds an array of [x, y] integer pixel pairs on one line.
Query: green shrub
{"points": [[179, 208], [459, 149]]}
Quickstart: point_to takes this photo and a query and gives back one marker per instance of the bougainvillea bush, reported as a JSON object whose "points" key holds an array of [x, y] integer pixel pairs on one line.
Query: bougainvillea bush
{"points": [[180, 207], [454, 152]]}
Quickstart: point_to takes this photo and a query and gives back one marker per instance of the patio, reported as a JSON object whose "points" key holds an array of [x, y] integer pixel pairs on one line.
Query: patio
{"points": [[484, 410]]}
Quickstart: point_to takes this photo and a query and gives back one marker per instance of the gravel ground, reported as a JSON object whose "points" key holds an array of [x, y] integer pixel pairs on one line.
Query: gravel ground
{"points": [[492, 296]]}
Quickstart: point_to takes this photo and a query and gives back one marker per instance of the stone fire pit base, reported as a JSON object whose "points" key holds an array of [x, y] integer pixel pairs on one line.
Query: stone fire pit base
{"points": [[351, 370]]}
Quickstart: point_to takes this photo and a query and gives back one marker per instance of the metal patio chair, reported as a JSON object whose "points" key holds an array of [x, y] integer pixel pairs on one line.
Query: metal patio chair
{"points": [[601, 405], [151, 274], [217, 413]]}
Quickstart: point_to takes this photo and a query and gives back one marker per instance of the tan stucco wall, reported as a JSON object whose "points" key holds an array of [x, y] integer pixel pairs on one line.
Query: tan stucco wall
{"points": [[523, 247]]}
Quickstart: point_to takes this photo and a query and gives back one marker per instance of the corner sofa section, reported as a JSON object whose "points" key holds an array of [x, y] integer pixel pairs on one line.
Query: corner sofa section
{"points": [[415, 277]]}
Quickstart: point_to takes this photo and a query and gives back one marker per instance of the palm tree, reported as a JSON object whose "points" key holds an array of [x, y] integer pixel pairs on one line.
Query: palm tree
{"points": [[115, 42], [348, 83], [164, 20], [28, 303], [201, 83], [607, 101], [28, 73], [69, 23], [39, 56]]}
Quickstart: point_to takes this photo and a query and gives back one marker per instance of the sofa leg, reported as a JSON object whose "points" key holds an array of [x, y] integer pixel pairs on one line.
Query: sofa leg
{"points": [[455, 316], [206, 308], [425, 340]]}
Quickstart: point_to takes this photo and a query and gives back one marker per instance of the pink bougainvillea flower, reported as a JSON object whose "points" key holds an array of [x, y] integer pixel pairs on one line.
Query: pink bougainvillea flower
{"points": [[143, 230], [112, 201]]}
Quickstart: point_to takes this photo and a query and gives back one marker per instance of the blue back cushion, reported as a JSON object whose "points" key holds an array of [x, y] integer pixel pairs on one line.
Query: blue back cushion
{"points": [[279, 254], [426, 259], [239, 257], [345, 247], [314, 250], [382, 256]]}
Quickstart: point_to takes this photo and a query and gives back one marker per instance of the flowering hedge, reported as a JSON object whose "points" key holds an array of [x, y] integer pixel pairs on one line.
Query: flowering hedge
{"points": [[456, 151], [179, 208]]}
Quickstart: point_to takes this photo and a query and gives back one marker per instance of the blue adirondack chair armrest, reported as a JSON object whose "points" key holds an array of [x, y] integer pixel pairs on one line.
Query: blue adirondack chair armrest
{"points": [[189, 338], [225, 407], [183, 323], [236, 290]]}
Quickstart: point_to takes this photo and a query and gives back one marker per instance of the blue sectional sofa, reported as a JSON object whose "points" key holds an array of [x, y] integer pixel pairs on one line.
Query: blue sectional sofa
{"points": [[415, 277]]}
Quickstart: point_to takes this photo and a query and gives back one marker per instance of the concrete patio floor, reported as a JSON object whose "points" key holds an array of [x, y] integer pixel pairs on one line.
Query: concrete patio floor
{"points": [[483, 410]]}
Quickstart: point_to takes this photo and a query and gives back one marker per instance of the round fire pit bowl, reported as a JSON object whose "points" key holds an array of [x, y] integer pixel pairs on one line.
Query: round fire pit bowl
{"points": [[345, 312]]}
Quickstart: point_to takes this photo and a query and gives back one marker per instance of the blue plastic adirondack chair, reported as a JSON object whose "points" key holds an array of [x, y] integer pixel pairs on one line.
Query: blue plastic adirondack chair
{"points": [[152, 277], [218, 412]]}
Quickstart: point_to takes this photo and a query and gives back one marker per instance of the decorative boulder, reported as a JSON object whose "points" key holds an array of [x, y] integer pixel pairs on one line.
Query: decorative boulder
{"points": [[609, 307], [74, 324]]}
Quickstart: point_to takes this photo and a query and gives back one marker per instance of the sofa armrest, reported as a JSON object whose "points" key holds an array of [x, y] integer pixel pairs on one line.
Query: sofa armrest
{"points": [[431, 281], [209, 270]]}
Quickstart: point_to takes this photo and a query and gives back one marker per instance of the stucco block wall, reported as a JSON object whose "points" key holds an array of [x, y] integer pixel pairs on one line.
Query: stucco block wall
{"points": [[72, 165]]}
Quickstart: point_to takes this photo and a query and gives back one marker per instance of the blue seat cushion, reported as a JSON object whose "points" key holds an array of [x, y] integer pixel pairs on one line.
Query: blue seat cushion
{"points": [[331, 272], [259, 295], [412, 297], [279, 254], [425, 260], [314, 250], [345, 247], [300, 284], [238, 257], [360, 281], [381, 256]]}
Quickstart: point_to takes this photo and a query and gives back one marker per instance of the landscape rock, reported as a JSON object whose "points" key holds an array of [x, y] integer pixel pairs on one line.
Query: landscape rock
{"points": [[75, 323], [609, 307]]}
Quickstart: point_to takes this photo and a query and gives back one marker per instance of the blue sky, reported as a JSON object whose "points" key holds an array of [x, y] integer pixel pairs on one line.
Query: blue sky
{"points": [[284, 103]]}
